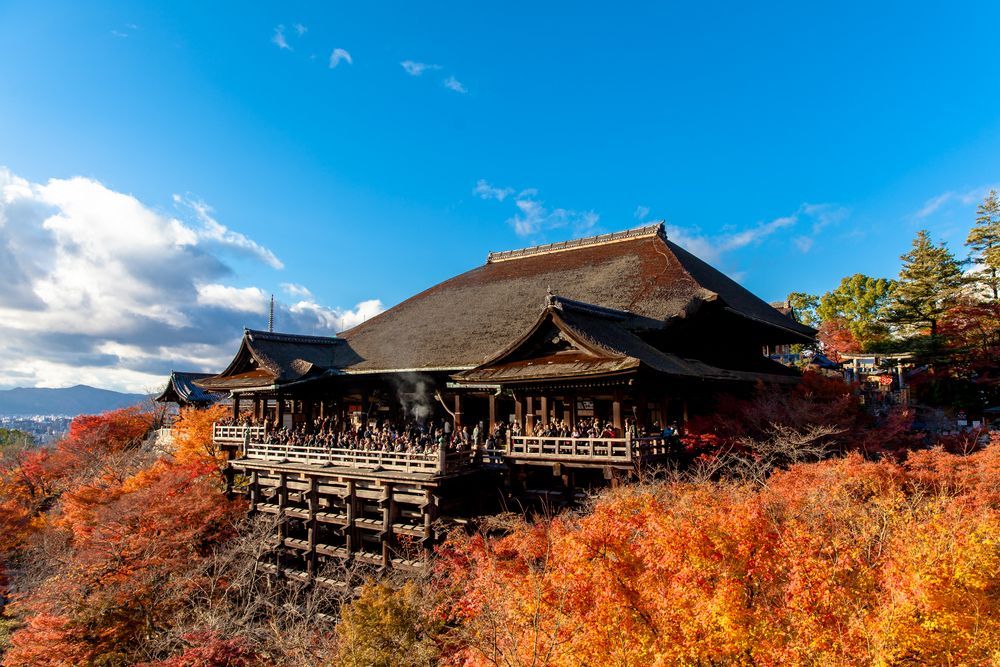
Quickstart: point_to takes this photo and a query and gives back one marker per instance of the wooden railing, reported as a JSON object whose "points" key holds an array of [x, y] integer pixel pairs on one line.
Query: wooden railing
{"points": [[431, 462], [589, 450], [236, 434], [602, 451]]}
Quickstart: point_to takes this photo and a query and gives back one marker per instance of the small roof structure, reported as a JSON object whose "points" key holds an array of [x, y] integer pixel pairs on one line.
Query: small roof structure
{"points": [[268, 360], [181, 389]]}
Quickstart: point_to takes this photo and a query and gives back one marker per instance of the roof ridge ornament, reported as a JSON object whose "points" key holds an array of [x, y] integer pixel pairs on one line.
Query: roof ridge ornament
{"points": [[656, 229]]}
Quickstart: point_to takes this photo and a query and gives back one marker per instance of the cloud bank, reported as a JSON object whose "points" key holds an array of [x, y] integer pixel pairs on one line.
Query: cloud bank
{"points": [[101, 289]]}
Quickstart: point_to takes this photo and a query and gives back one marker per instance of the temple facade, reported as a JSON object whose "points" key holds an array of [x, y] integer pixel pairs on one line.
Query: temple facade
{"points": [[542, 372]]}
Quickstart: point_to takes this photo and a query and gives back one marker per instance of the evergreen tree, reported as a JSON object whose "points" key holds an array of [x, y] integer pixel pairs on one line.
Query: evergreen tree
{"points": [[984, 244], [929, 282], [862, 303]]}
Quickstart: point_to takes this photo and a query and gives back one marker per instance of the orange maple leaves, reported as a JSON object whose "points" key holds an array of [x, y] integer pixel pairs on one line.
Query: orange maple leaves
{"points": [[840, 562]]}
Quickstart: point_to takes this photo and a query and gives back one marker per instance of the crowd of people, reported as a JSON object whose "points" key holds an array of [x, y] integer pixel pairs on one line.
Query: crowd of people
{"points": [[430, 437]]}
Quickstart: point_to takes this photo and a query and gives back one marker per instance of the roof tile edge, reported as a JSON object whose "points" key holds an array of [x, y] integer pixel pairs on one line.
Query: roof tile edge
{"points": [[645, 231]]}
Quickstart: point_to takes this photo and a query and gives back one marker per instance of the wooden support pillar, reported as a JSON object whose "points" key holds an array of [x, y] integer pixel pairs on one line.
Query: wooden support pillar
{"points": [[279, 411], [458, 412], [529, 419], [349, 505], [685, 412], [428, 515], [313, 526], [388, 513], [282, 526], [519, 410], [545, 409], [493, 412], [567, 412], [254, 491], [616, 412], [236, 406]]}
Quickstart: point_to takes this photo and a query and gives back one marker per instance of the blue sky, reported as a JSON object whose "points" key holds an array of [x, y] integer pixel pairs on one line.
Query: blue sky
{"points": [[789, 144]]}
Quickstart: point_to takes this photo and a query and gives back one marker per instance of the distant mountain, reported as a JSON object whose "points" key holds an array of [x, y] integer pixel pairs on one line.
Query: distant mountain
{"points": [[70, 401]]}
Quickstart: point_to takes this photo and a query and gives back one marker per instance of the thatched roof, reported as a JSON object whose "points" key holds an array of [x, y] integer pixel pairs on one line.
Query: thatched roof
{"points": [[460, 323]]}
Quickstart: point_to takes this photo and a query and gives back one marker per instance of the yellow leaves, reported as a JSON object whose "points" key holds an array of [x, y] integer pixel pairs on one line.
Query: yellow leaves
{"points": [[841, 562], [192, 435]]}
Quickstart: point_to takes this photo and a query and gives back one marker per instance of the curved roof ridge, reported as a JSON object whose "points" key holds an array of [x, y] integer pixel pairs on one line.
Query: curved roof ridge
{"points": [[292, 338], [655, 229]]}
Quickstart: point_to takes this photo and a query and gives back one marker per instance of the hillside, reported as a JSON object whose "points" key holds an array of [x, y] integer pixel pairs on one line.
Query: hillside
{"points": [[71, 401]]}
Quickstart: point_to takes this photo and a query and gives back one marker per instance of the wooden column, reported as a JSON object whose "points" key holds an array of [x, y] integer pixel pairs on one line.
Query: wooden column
{"points": [[458, 412], [519, 410], [685, 411], [429, 510], [388, 511], [349, 501], [282, 526], [313, 526], [493, 412], [545, 409], [616, 412], [236, 406], [529, 420], [254, 491], [279, 411]]}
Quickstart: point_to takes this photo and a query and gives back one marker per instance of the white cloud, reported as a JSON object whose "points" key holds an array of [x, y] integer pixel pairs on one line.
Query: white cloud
{"points": [[295, 290], [803, 243], [952, 199], [240, 299], [339, 55], [278, 39], [102, 289], [533, 218], [451, 83], [335, 319], [223, 236], [712, 247], [486, 191], [641, 212], [416, 69], [300, 29]]}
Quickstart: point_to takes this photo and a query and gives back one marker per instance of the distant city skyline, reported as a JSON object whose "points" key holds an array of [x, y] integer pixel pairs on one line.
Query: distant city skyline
{"points": [[165, 169]]}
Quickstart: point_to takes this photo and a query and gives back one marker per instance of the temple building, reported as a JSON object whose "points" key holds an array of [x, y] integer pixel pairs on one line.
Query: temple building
{"points": [[626, 333]]}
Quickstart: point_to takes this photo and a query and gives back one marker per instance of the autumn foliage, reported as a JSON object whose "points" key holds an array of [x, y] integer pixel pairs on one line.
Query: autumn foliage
{"points": [[841, 562]]}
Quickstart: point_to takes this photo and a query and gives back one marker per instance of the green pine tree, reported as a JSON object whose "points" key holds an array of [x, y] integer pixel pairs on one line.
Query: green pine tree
{"points": [[984, 244], [929, 282]]}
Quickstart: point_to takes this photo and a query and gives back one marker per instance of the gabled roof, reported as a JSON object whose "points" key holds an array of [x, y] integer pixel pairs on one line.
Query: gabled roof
{"points": [[181, 389], [572, 339], [459, 323], [267, 359]]}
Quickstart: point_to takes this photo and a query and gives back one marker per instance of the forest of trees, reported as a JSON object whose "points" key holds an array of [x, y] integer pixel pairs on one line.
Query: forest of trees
{"points": [[942, 308], [837, 541]]}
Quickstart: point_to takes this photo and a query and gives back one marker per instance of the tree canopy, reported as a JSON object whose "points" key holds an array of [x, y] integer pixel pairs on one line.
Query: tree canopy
{"points": [[930, 281], [984, 245]]}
